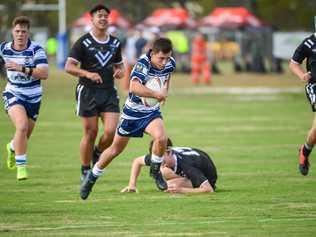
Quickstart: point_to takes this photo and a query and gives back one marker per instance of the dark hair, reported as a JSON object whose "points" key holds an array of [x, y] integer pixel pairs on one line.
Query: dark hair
{"points": [[98, 8], [169, 144], [21, 20], [162, 45]]}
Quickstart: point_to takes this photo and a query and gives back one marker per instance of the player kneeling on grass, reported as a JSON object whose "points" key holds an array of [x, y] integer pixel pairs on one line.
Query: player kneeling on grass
{"points": [[138, 118], [187, 170]]}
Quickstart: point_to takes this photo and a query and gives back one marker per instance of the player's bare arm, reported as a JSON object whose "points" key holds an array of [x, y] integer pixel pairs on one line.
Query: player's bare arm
{"points": [[139, 89], [298, 71], [135, 171], [40, 73], [72, 68], [119, 71]]}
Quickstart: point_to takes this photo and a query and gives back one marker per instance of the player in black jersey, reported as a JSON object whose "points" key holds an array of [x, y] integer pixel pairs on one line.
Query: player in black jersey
{"points": [[306, 50], [99, 56], [186, 169]]}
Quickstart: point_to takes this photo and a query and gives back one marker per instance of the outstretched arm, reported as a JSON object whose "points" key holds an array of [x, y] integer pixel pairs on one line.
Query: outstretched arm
{"points": [[135, 171]]}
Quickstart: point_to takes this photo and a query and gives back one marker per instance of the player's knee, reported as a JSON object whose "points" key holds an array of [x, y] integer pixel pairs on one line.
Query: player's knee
{"points": [[22, 127], [109, 134], [90, 133]]}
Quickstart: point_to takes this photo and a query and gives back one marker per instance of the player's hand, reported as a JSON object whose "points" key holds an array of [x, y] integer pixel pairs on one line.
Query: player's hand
{"points": [[94, 77], [162, 95], [129, 190], [12, 66], [118, 73], [306, 77]]}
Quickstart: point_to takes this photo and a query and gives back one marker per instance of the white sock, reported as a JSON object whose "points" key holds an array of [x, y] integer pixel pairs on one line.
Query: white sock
{"points": [[96, 171], [156, 159], [20, 160], [11, 145]]}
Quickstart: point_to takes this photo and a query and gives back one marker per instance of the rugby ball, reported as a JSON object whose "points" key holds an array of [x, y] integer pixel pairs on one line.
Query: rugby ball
{"points": [[155, 85]]}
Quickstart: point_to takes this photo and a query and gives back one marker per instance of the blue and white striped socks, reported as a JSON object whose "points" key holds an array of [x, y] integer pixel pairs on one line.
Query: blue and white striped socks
{"points": [[20, 160]]}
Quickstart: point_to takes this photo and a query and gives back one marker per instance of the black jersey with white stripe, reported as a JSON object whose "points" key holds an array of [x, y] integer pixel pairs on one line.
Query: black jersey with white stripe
{"points": [[307, 50], [97, 56], [193, 164]]}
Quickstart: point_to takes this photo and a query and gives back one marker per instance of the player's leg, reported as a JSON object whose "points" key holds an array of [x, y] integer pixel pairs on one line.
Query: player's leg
{"points": [[180, 182], [157, 131], [110, 121], [307, 148], [18, 116], [90, 131], [118, 145], [206, 72]]}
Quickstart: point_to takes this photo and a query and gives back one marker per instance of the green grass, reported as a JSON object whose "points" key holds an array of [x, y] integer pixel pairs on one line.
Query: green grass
{"points": [[253, 140]]}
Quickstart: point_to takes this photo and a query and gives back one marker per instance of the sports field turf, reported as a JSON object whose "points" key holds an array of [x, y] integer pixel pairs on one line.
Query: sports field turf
{"points": [[253, 139]]}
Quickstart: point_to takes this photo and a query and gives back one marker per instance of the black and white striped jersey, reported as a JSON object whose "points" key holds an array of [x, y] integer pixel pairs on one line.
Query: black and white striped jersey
{"points": [[193, 164], [307, 49], [97, 56]]}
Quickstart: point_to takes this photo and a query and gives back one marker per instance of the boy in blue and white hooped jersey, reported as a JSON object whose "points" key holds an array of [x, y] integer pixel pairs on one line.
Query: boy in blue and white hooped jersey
{"points": [[26, 65], [136, 118]]}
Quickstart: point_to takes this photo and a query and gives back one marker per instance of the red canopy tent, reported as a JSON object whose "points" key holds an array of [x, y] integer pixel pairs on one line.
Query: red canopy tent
{"points": [[172, 17], [115, 18], [230, 17]]}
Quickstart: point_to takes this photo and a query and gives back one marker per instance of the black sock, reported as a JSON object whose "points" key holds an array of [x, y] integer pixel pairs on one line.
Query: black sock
{"points": [[96, 151], [85, 168], [307, 149]]}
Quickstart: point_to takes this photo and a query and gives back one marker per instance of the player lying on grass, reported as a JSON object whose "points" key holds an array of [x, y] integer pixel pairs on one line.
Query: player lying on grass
{"points": [[187, 170]]}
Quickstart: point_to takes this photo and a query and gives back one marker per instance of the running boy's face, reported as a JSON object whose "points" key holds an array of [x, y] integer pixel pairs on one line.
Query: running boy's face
{"points": [[100, 19], [160, 59], [20, 34]]}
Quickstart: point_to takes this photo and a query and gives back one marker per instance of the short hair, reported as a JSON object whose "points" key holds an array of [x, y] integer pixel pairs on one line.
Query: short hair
{"points": [[169, 144], [98, 8], [162, 45], [21, 20]]}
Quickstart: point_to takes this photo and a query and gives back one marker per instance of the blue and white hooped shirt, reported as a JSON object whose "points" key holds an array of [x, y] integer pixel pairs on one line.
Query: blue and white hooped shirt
{"points": [[24, 87], [143, 71]]}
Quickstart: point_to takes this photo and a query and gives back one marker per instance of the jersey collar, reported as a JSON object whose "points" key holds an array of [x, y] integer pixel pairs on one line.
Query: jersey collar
{"points": [[100, 41], [27, 46]]}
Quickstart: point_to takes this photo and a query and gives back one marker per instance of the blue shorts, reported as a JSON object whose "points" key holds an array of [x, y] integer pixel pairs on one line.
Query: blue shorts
{"points": [[136, 127], [32, 109]]}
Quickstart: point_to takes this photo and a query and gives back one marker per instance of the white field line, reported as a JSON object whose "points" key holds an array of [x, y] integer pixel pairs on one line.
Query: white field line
{"points": [[237, 90], [16, 228]]}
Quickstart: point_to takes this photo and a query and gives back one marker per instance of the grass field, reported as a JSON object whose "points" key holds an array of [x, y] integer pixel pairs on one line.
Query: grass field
{"points": [[252, 137]]}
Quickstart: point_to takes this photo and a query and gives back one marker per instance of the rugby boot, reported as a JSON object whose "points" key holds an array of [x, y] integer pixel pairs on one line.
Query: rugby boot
{"points": [[21, 173], [303, 162], [86, 185], [156, 174], [10, 157]]}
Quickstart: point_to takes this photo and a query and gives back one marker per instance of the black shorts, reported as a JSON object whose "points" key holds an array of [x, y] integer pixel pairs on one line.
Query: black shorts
{"points": [[208, 168], [310, 90], [93, 101]]}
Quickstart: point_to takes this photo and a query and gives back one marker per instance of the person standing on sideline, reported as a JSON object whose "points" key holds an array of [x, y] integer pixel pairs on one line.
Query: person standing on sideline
{"points": [[26, 65], [186, 169], [199, 60], [306, 50], [138, 118], [100, 59]]}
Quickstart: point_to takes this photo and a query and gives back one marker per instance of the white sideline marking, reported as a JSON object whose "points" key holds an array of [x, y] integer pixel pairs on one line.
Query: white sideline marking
{"points": [[237, 90]]}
